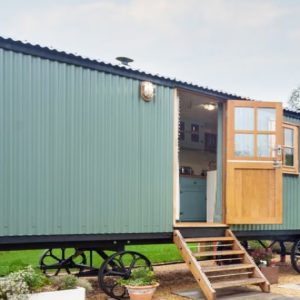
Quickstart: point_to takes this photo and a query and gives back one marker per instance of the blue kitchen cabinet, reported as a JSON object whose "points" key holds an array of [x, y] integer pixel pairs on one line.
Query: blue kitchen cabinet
{"points": [[192, 199]]}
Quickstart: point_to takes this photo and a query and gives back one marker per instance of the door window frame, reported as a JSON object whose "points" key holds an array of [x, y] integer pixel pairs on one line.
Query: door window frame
{"points": [[255, 105]]}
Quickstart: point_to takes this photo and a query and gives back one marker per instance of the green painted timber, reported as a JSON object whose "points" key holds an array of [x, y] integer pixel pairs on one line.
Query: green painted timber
{"points": [[291, 202], [81, 152]]}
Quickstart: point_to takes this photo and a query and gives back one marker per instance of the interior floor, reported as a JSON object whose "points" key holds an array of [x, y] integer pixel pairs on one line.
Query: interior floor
{"points": [[198, 123]]}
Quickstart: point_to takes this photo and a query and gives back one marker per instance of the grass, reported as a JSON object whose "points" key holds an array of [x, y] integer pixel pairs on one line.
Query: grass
{"points": [[157, 254]]}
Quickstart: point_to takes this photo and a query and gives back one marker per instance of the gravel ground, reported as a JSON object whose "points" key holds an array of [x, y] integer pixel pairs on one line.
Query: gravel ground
{"points": [[177, 277]]}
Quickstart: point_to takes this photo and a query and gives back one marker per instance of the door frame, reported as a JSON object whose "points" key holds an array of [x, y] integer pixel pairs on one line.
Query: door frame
{"points": [[175, 181]]}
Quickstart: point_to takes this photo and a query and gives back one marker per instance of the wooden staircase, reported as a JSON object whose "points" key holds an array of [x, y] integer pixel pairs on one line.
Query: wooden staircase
{"points": [[219, 262]]}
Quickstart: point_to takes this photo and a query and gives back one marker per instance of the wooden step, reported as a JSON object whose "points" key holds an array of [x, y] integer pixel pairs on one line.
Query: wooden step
{"points": [[198, 246], [199, 225], [221, 259], [229, 275], [219, 253], [232, 267], [209, 239], [238, 282], [240, 271]]}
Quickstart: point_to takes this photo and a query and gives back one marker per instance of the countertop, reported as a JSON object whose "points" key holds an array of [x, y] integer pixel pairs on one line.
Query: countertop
{"points": [[192, 176]]}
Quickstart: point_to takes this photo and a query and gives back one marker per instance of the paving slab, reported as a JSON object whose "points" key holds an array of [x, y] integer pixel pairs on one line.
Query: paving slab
{"points": [[240, 293], [291, 286]]}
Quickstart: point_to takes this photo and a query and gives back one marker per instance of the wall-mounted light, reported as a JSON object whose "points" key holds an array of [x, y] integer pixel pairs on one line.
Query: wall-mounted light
{"points": [[147, 90], [209, 106]]}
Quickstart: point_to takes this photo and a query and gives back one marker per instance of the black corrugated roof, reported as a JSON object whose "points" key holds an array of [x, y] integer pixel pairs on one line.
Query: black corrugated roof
{"points": [[289, 112], [69, 58], [61, 56]]}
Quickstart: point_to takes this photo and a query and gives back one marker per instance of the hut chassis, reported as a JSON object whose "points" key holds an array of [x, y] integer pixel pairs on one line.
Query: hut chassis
{"points": [[84, 246]]}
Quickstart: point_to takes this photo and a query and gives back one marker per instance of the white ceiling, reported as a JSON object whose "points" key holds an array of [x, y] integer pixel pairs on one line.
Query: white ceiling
{"points": [[190, 108]]}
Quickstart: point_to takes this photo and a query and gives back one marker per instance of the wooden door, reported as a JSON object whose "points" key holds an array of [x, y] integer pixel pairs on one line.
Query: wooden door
{"points": [[253, 162]]}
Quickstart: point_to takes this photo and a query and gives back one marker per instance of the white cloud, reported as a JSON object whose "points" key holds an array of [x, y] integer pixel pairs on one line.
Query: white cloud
{"points": [[225, 44]]}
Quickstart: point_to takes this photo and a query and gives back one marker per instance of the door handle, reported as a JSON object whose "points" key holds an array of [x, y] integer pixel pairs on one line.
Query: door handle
{"points": [[278, 150], [277, 163]]}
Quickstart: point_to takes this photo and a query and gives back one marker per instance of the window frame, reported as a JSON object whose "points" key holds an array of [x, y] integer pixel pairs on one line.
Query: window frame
{"points": [[295, 168], [255, 132]]}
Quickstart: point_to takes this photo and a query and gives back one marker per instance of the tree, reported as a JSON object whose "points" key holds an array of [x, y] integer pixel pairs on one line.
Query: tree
{"points": [[294, 100]]}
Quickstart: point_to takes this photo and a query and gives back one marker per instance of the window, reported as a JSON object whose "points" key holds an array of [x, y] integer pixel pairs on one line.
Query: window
{"points": [[290, 149], [254, 132]]}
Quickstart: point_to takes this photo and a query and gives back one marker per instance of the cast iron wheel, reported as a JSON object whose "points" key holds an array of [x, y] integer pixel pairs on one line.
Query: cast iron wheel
{"points": [[117, 266], [53, 261], [295, 256]]}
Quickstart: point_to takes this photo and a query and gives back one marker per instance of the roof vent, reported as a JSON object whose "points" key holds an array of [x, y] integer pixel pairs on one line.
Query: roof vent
{"points": [[124, 60]]}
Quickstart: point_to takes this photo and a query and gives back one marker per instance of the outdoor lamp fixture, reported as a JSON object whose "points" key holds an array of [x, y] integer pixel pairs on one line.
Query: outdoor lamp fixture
{"points": [[147, 90], [209, 106]]}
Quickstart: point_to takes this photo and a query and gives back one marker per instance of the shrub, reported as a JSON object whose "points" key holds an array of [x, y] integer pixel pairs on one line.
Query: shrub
{"points": [[67, 282], [139, 277], [262, 256], [13, 287], [17, 284], [34, 279], [82, 282]]}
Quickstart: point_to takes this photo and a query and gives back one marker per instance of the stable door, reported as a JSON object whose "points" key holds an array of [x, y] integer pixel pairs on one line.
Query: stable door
{"points": [[253, 162]]}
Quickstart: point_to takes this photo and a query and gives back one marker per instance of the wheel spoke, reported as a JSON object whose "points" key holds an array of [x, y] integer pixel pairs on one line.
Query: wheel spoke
{"points": [[56, 259], [115, 273], [63, 253], [134, 260], [119, 265], [57, 271]]}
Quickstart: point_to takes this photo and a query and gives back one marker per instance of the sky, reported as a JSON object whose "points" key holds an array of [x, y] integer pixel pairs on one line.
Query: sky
{"points": [[249, 48]]}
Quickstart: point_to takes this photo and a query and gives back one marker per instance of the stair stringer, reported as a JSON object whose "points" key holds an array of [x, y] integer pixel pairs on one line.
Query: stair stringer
{"points": [[194, 266], [265, 287]]}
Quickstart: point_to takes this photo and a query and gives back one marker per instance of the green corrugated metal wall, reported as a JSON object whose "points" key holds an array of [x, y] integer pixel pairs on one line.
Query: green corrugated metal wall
{"points": [[80, 152], [291, 202]]}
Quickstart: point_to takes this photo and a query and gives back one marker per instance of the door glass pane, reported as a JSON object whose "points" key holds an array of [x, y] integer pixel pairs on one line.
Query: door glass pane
{"points": [[288, 137], [266, 119], [244, 118], [265, 145], [243, 144], [289, 157]]}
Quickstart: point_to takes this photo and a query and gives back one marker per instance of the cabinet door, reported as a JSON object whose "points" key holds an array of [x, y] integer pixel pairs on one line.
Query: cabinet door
{"points": [[192, 184], [192, 206]]}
